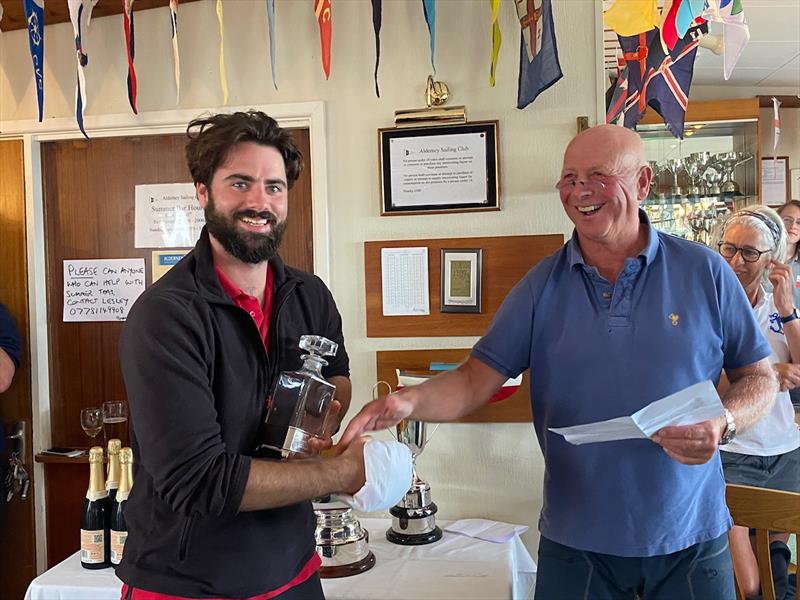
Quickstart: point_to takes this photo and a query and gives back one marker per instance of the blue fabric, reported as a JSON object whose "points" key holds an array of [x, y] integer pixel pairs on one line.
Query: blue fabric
{"points": [[598, 351], [702, 571], [10, 339], [544, 70]]}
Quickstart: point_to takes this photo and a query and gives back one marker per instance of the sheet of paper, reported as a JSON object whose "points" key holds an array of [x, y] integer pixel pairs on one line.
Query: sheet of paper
{"points": [[404, 281], [101, 289], [167, 216], [484, 529], [164, 260], [694, 404]]}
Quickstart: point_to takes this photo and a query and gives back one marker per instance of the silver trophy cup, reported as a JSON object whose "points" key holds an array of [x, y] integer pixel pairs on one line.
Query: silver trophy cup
{"points": [[414, 517], [342, 543]]}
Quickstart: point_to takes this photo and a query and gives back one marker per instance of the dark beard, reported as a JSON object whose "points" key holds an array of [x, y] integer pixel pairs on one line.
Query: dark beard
{"points": [[248, 247]]}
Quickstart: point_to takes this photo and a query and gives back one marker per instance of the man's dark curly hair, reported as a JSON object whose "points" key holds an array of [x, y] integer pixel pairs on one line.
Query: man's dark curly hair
{"points": [[212, 138]]}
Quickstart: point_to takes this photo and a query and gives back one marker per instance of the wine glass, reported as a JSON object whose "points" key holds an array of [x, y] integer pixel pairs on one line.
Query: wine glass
{"points": [[92, 421], [115, 420]]}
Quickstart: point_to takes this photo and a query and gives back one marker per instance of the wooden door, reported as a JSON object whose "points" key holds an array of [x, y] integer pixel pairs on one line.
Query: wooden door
{"points": [[89, 214], [17, 534]]}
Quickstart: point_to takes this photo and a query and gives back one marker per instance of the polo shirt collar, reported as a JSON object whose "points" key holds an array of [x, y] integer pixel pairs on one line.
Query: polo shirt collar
{"points": [[575, 256]]}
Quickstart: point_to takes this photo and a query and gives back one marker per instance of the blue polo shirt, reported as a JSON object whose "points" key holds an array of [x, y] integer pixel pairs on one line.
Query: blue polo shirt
{"points": [[676, 316]]}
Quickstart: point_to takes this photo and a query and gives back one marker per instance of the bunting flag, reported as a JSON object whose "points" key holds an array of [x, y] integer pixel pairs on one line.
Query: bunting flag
{"points": [[271, 23], [688, 11], [735, 32], [223, 80], [538, 53], [322, 10], [34, 17], [776, 124], [80, 13], [429, 9], [660, 79], [667, 25], [497, 40], [376, 25], [631, 17], [176, 59], [615, 99], [127, 26]]}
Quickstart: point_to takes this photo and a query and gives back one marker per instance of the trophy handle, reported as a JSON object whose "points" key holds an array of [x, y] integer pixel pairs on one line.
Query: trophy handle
{"points": [[375, 394]]}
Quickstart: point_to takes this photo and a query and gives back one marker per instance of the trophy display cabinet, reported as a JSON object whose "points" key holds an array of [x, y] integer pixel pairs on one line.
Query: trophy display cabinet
{"points": [[715, 169]]}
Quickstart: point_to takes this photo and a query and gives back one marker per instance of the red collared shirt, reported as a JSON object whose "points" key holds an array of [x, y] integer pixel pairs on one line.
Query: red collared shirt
{"points": [[261, 316]]}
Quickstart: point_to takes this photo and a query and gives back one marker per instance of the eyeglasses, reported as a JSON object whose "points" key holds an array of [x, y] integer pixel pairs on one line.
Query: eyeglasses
{"points": [[593, 183], [789, 221], [750, 255]]}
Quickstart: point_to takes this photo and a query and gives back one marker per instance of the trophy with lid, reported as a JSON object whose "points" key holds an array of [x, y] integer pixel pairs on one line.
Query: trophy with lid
{"points": [[298, 411], [414, 517]]}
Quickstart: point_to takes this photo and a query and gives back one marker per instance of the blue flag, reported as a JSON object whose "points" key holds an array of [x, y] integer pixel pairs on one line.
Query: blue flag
{"points": [[538, 54], [34, 17], [377, 9], [429, 8]]}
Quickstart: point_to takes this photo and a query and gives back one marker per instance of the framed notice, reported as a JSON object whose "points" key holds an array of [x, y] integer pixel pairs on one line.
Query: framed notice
{"points": [[775, 184], [461, 280], [452, 168]]}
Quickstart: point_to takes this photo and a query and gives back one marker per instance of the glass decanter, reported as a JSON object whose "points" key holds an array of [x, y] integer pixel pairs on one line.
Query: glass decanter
{"points": [[300, 402]]}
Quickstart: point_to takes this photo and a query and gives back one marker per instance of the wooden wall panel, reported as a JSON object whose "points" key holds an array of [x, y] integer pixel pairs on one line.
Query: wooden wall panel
{"points": [[17, 540], [505, 260], [514, 409]]}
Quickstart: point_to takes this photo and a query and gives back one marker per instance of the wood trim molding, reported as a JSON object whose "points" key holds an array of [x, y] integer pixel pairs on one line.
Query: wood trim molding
{"points": [[711, 110]]}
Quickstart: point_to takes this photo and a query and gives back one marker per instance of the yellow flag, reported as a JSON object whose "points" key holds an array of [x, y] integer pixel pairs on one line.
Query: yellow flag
{"points": [[496, 40], [631, 17], [223, 81]]}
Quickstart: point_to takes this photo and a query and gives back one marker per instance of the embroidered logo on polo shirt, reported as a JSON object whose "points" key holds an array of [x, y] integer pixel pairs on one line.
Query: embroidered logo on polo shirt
{"points": [[674, 318], [775, 324]]}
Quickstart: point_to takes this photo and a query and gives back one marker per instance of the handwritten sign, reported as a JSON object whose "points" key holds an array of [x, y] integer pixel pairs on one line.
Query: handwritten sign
{"points": [[167, 216], [101, 289]]}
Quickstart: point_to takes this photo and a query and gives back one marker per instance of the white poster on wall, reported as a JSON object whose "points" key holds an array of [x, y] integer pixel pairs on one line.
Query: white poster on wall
{"points": [[167, 216], [101, 289]]}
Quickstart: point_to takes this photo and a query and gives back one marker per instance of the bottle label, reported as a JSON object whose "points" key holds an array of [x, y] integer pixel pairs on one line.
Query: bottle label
{"points": [[117, 543], [93, 544]]}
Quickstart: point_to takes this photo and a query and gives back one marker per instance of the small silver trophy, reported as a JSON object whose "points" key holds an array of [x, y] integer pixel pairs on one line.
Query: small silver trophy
{"points": [[414, 518], [342, 544]]}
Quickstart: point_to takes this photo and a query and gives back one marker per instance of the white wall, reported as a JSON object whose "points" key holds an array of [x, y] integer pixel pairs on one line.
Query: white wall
{"points": [[493, 471]]}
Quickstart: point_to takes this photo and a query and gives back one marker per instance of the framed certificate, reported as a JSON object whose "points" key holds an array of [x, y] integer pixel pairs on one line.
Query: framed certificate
{"points": [[461, 280], [451, 168]]}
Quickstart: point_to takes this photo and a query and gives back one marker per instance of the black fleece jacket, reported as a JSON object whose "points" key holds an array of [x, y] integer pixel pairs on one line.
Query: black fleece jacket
{"points": [[197, 377]]}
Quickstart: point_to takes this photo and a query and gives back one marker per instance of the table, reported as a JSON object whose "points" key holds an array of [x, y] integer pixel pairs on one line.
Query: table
{"points": [[455, 567]]}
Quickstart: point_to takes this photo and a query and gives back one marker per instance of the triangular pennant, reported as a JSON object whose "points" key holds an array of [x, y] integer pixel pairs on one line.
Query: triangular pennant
{"points": [[497, 39], [223, 80], [127, 26], [376, 25], [34, 17], [322, 10], [271, 25], [429, 9], [631, 17], [735, 31], [176, 59], [80, 14]]}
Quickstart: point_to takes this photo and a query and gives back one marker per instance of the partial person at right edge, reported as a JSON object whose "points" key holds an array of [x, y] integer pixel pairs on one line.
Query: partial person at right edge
{"points": [[621, 316], [10, 356], [790, 215], [753, 242]]}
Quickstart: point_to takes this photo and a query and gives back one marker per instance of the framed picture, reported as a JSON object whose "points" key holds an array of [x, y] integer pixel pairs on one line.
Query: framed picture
{"points": [[461, 280], [449, 168], [775, 183]]}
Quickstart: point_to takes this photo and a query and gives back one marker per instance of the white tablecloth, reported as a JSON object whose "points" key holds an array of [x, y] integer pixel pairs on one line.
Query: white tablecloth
{"points": [[454, 567]]}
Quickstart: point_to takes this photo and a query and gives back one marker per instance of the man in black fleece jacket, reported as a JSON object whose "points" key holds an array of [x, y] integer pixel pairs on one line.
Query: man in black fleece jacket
{"points": [[200, 351]]}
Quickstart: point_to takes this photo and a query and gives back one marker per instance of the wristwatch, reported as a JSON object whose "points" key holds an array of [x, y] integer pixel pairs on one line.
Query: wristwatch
{"points": [[730, 428], [792, 316]]}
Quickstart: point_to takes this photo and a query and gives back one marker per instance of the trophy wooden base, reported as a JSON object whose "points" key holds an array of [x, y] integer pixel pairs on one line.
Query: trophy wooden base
{"points": [[365, 564], [414, 539]]}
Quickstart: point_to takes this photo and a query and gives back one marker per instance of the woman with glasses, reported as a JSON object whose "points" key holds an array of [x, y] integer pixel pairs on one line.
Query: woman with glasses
{"points": [[753, 242]]}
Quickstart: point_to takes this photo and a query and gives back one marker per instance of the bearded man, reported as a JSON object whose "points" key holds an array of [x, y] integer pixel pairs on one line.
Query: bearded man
{"points": [[200, 352]]}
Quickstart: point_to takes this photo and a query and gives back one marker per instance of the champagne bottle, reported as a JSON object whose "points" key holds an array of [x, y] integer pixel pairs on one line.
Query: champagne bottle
{"points": [[94, 520], [112, 478], [119, 530]]}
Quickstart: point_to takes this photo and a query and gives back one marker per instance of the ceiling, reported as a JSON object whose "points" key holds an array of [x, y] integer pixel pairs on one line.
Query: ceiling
{"points": [[771, 59]]}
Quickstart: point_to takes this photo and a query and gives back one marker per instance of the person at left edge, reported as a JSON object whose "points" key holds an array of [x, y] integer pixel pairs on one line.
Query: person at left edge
{"points": [[10, 357], [200, 351]]}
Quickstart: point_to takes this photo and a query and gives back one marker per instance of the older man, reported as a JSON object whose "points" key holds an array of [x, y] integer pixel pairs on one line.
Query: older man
{"points": [[620, 316]]}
